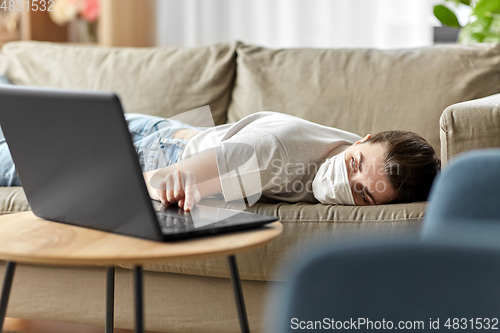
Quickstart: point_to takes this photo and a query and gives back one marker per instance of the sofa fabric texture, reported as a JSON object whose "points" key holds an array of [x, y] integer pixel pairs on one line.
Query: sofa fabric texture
{"points": [[158, 81], [358, 90], [365, 90], [149, 80], [13, 200], [173, 302], [302, 223], [470, 125]]}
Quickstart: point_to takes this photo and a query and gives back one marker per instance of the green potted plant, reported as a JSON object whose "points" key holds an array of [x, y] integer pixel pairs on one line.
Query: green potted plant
{"points": [[483, 24]]}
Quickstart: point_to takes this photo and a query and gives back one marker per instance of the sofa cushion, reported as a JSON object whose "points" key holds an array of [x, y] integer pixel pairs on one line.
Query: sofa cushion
{"points": [[470, 125], [13, 200], [304, 225], [158, 81], [364, 90], [172, 302]]}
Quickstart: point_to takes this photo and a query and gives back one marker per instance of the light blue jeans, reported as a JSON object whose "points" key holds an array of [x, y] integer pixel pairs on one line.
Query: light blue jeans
{"points": [[152, 138]]}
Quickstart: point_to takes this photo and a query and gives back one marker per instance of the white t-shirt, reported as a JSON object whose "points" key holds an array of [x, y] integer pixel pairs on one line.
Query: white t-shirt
{"points": [[271, 153]]}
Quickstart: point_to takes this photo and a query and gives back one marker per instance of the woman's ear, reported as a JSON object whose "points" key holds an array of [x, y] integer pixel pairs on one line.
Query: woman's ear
{"points": [[364, 139]]}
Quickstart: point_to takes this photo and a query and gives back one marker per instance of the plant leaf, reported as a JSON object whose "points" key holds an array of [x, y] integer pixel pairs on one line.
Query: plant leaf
{"points": [[458, 2], [446, 16], [467, 35], [483, 30], [486, 6], [478, 36]]}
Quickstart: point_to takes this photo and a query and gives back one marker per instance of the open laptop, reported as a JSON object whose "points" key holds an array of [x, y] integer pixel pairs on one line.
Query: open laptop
{"points": [[77, 165]]}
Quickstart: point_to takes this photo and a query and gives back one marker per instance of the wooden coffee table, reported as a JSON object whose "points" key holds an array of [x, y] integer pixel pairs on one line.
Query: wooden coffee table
{"points": [[25, 238]]}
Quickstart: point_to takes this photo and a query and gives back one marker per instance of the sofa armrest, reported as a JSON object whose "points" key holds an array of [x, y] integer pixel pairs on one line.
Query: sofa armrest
{"points": [[470, 125]]}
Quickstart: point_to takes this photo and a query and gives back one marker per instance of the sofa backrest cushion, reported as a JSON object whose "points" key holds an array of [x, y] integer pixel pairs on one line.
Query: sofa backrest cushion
{"points": [[364, 90], [158, 81]]}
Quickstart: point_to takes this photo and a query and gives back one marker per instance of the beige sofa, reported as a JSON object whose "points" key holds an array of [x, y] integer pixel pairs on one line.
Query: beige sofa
{"points": [[363, 91]]}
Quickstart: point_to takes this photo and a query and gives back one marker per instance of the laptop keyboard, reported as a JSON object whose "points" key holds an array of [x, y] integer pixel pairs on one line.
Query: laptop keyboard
{"points": [[172, 223]]}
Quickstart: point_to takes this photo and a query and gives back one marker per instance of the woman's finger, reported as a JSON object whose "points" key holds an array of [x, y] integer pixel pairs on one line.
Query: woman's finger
{"points": [[178, 188], [161, 192], [190, 191], [169, 188]]}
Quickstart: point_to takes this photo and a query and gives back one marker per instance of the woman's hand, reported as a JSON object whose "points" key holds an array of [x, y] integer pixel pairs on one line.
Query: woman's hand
{"points": [[179, 187], [196, 177]]}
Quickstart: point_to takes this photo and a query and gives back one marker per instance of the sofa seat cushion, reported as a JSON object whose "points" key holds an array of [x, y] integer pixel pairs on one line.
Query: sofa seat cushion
{"points": [[13, 200], [172, 302], [364, 90], [157, 80], [304, 225]]}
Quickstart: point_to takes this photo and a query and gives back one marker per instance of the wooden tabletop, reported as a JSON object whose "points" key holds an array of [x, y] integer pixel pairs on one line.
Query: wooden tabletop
{"points": [[26, 238]]}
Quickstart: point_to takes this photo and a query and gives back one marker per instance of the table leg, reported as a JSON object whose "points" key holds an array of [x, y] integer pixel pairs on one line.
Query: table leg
{"points": [[238, 294], [139, 306], [7, 284], [110, 299]]}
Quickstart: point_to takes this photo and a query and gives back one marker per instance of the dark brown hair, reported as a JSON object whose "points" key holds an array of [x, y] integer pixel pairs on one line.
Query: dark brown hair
{"points": [[410, 164]]}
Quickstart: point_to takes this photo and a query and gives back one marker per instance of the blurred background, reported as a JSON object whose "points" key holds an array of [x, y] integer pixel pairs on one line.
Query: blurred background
{"points": [[299, 23], [273, 23]]}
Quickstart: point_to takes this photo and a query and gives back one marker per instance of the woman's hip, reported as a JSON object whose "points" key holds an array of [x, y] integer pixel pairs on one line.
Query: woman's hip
{"points": [[154, 140]]}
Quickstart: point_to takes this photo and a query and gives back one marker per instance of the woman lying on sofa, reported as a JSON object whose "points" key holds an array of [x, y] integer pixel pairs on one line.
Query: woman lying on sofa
{"points": [[287, 158], [275, 155]]}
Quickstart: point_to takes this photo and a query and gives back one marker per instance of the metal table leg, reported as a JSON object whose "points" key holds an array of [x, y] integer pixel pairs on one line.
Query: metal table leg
{"points": [[110, 299], [238, 294], [7, 284], [139, 306]]}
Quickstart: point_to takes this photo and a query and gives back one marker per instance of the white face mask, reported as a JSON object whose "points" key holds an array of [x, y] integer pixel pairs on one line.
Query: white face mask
{"points": [[331, 183]]}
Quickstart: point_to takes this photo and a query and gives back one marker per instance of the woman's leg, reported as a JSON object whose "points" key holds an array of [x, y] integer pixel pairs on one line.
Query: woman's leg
{"points": [[153, 139], [8, 173]]}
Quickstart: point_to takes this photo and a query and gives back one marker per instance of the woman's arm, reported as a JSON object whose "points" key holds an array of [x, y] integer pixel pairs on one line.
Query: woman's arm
{"points": [[196, 174]]}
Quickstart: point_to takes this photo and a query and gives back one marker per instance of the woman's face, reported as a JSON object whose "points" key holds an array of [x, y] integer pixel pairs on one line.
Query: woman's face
{"points": [[365, 169]]}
